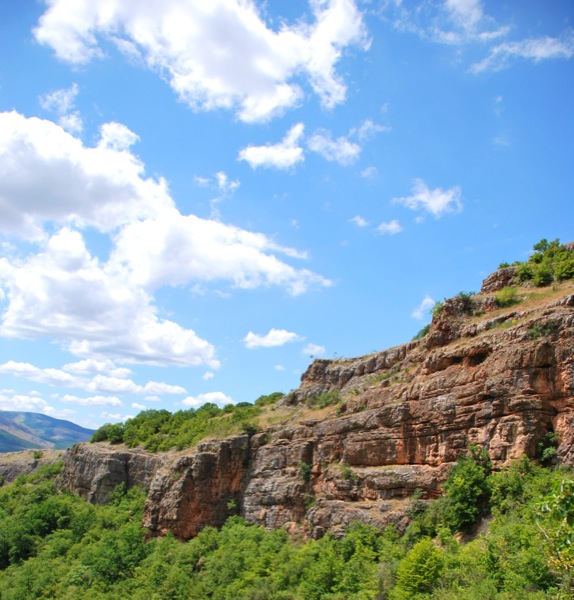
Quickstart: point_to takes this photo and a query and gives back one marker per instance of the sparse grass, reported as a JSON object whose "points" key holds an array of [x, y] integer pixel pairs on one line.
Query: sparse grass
{"points": [[324, 400]]}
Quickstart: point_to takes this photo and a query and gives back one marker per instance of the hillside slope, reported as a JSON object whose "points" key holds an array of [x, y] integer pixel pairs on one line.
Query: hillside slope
{"points": [[21, 430]]}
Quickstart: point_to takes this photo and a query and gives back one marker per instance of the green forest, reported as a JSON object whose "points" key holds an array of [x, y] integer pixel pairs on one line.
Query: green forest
{"points": [[500, 535]]}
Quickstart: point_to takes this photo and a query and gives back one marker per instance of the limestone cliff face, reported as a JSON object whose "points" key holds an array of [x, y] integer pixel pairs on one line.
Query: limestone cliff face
{"points": [[501, 379]]}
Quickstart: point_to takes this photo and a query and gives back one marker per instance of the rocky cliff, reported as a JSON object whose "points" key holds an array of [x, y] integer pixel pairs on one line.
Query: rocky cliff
{"points": [[498, 377]]}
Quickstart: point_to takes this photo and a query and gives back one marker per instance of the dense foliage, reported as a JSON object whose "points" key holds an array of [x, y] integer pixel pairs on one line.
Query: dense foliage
{"points": [[550, 261], [54, 545], [162, 430]]}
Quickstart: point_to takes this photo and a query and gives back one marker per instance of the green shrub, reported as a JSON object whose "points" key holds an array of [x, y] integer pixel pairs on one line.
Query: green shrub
{"points": [[421, 334], [305, 471], [419, 571], [466, 299], [325, 399], [541, 329], [507, 296], [437, 309], [269, 399]]}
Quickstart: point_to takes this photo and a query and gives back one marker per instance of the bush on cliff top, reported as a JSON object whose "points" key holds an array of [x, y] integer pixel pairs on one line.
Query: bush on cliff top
{"points": [[161, 430], [550, 261]]}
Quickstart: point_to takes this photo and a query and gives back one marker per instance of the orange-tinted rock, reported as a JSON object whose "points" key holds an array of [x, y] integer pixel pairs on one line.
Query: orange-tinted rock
{"points": [[408, 413]]}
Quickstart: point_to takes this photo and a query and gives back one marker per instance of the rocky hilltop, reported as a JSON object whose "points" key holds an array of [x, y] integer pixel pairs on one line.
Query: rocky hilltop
{"points": [[501, 377]]}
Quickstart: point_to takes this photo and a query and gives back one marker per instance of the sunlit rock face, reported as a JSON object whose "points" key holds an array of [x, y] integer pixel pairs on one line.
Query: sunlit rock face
{"points": [[498, 378]]}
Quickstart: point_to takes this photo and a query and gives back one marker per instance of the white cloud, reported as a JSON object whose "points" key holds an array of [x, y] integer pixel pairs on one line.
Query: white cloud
{"points": [[65, 293], [156, 387], [174, 249], [423, 308], [218, 398], [534, 49], [368, 129], [275, 337], [98, 383], [359, 221], [102, 310], [31, 403], [219, 54], [392, 227], [114, 416], [279, 368], [437, 201], [453, 22], [208, 375], [89, 366], [62, 103], [47, 175], [340, 150], [467, 13], [152, 399], [138, 406], [314, 350], [93, 400], [283, 155]]}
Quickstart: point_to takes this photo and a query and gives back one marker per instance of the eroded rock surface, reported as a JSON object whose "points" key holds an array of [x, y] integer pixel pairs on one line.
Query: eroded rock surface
{"points": [[502, 379]]}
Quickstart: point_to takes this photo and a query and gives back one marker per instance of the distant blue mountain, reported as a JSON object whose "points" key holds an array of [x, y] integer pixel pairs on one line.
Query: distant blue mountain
{"points": [[23, 430]]}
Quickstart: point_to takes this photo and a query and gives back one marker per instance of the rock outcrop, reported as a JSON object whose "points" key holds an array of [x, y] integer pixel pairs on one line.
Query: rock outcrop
{"points": [[501, 378], [14, 464]]}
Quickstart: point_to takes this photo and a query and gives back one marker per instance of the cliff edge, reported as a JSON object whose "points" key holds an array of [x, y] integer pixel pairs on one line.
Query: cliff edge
{"points": [[485, 373]]}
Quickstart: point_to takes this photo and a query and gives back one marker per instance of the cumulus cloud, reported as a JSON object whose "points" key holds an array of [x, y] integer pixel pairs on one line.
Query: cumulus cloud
{"points": [[47, 175], [97, 383], [275, 337], [534, 49], [174, 249], [340, 150], [437, 202], [51, 185], [65, 293], [216, 55], [283, 155], [422, 310], [314, 350], [218, 398], [138, 406], [391, 228]]}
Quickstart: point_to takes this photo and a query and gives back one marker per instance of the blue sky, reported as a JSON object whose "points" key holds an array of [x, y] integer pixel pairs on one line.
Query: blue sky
{"points": [[198, 198]]}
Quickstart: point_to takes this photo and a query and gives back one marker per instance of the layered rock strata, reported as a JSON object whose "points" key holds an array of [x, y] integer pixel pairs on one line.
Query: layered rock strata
{"points": [[502, 378]]}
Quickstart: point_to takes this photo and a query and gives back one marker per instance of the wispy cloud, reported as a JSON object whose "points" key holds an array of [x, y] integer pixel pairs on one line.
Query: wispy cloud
{"points": [[533, 49], [340, 150]]}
